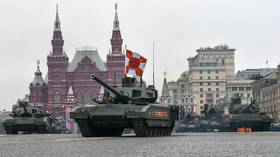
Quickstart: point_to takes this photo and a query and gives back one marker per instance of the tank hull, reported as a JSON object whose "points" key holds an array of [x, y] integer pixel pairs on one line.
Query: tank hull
{"points": [[112, 119], [26, 125], [257, 122]]}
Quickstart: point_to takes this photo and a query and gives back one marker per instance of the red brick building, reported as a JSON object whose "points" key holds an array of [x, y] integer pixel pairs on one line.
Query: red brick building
{"points": [[68, 84]]}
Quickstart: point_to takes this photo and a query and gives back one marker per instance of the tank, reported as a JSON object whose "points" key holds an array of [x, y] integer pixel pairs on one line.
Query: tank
{"points": [[129, 106], [29, 119], [228, 116], [237, 115]]}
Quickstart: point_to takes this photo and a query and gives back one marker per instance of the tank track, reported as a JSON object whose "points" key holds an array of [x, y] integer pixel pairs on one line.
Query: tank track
{"points": [[85, 127], [10, 130], [87, 130], [143, 130]]}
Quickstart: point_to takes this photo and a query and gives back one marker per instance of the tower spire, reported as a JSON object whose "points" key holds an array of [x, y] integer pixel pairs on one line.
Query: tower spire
{"points": [[57, 41], [57, 22], [116, 24], [116, 40]]}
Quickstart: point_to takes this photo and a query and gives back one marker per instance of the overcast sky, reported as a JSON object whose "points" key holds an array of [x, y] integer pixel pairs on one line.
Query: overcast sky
{"points": [[177, 27]]}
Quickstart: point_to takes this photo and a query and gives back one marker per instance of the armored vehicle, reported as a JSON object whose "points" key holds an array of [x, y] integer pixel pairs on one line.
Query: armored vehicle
{"points": [[237, 115], [228, 116], [29, 119], [129, 106]]}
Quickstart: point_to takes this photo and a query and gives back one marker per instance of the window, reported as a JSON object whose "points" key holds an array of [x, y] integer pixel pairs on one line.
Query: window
{"points": [[234, 89], [201, 102], [182, 86], [223, 61], [201, 83], [201, 95], [217, 83], [241, 94], [209, 89], [217, 89], [56, 96], [215, 64], [248, 95], [183, 100], [200, 71], [217, 95], [217, 77], [248, 88], [217, 71], [208, 64], [241, 88], [201, 89], [209, 78], [209, 72], [201, 64], [209, 83], [201, 78]]}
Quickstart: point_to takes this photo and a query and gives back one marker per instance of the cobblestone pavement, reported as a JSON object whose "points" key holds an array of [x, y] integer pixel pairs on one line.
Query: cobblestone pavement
{"points": [[264, 144]]}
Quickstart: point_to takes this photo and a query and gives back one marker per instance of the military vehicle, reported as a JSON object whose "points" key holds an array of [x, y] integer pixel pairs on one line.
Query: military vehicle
{"points": [[29, 119], [129, 106], [237, 115], [228, 116]]}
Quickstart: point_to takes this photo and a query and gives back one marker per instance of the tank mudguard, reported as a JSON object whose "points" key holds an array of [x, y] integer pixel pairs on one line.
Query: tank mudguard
{"points": [[79, 113]]}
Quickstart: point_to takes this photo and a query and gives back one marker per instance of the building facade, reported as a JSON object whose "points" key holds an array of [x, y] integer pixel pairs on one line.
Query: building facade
{"points": [[266, 92], [68, 84], [209, 72], [178, 93], [240, 88]]}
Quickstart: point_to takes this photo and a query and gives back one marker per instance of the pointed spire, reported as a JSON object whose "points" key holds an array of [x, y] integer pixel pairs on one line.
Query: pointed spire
{"points": [[164, 92], [38, 80], [38, 71], [57, 22], [70, 91], [116, 19], [57, 41]]}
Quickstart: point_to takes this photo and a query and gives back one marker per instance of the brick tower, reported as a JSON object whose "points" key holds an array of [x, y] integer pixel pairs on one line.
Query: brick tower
{"points": [[115, 58], [57, 63], [38, 90]]}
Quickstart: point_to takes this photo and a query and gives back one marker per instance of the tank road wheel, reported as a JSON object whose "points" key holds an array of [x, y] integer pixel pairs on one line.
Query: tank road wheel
{"points": [[141, 128], [85, 128]]}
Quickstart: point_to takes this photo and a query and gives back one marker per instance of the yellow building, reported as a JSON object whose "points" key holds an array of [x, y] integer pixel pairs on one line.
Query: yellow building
{"points": [[209, 72]]}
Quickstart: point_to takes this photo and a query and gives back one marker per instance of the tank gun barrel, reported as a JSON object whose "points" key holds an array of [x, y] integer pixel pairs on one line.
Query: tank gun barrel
{"points": [[105, 85]]}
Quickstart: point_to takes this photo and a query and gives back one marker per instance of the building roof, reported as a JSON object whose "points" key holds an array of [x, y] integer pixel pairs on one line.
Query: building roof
{"points": [[38, 80], [91, 53]]}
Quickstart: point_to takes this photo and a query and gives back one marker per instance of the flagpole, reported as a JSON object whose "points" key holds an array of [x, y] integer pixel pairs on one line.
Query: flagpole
{"points": [[125, 47], [153, 63]]}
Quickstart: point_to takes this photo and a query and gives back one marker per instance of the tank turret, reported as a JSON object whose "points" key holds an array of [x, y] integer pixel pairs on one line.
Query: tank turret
{"points": [[119, 97], [128, 93]]}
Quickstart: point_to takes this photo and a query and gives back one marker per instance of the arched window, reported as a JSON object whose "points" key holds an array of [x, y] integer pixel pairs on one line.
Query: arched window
{"points": [[56, 96]]}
